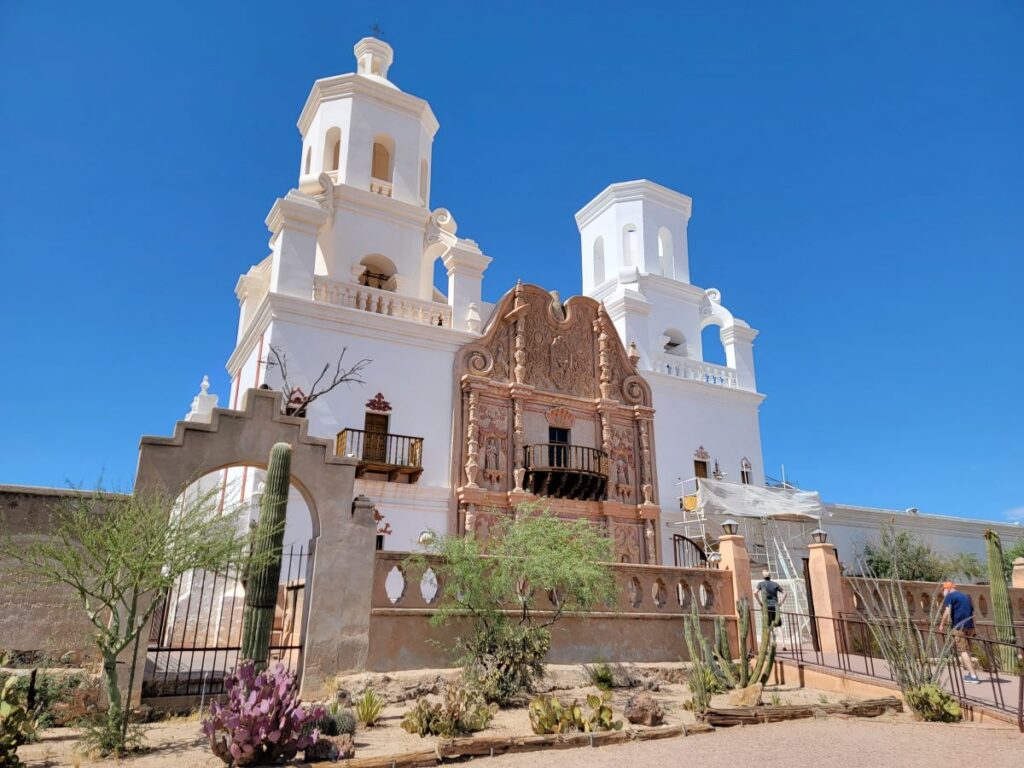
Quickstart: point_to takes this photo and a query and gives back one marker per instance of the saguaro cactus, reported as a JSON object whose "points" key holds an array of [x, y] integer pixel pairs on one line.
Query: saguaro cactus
{"points": [[1000, 602], [263, 577]]}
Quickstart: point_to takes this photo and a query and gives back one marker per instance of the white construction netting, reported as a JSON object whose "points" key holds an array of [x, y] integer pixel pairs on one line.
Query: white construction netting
{"points": [[718, 498]]}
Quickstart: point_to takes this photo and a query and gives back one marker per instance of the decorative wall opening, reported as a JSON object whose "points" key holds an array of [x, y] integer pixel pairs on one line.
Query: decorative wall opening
{"points": [[424, 181], [674, 342], [665, 260], [309, 160], [746, 472], [378, 272], [599, 269], [630, 245], [712, 350], [383, 154], [332, 150]]}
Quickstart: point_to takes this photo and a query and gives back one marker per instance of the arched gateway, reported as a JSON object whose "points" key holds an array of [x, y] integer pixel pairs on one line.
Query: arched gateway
{"points": [[342, 551]]}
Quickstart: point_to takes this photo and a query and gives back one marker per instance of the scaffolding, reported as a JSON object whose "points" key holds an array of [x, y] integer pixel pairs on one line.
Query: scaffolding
{"points": [[775, 523]]}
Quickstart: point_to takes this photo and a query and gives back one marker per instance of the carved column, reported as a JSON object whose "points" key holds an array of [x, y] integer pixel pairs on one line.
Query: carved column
{"points": [[604, 355], [472, 440], [646, 485], [519, 472]]}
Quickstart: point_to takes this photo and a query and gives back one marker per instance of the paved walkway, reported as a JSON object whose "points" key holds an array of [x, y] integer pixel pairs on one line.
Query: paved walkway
{"points": [[831, 743], [997, 691]]}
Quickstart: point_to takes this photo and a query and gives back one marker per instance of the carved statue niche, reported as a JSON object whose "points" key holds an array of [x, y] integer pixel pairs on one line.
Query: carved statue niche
{"points": [[626, 538], [494, 435], [624, 464]]}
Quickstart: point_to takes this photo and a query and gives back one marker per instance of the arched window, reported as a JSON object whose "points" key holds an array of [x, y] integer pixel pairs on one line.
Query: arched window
{"points": [[711, 347], [379, 272], [383, 149], [599, 275], [674, 342], [746, 472], [309, 159], [629, 245], [332, 150], [665, 263], [424, 181]]}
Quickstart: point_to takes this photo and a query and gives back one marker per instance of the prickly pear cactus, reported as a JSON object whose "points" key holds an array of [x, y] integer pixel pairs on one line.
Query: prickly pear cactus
{"points": [[16, 725], [261, 586]]}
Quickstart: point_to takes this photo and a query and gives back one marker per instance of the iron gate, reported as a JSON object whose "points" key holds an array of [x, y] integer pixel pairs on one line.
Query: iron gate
{"points": [[195, 637]]}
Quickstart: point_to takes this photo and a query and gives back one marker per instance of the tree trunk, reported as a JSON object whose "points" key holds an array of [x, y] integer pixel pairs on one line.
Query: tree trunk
{"points": [[114, 708]]}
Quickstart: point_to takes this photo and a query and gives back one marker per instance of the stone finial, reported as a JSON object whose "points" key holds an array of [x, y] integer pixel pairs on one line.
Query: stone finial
{"points": [[473, 320], [634, 353], [202, 404], [373, 57]]}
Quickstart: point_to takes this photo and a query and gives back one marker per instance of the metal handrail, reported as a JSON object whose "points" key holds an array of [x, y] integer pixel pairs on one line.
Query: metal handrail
{"points": [[381, 448], [564, 456]]}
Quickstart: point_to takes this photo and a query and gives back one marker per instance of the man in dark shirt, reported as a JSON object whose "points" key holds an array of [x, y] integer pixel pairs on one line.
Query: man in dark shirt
{"points": [[958, 614], [770, 596]]}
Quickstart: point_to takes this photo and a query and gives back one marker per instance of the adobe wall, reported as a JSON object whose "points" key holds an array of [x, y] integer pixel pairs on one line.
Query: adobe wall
{"points": [[37, 617]]}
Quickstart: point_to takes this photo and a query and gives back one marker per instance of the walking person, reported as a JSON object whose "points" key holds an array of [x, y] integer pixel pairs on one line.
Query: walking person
{"points": [[770, 596], [958, 613]]}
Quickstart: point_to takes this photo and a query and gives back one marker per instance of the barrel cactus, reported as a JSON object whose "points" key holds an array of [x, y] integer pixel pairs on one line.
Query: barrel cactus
{"points": [[265, 572], [1006, 654]]}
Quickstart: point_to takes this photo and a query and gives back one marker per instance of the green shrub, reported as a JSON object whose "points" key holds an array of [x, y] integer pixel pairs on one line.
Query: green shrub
{"points": [[934, 704], [601, 675], [504, 660], [368, 708], [549, 715], [463, 711], [52, 691]]}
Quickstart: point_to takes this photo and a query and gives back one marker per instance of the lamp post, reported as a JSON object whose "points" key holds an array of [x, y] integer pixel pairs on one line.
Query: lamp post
{"points": [[818, 536], [730, 526]]}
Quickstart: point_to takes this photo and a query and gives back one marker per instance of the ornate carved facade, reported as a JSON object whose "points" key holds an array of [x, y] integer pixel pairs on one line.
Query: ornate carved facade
{"points": [[552, 407]]}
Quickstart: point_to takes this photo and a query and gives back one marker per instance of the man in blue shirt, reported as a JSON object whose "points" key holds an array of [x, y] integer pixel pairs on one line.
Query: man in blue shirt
{"points": [[958, 613]]}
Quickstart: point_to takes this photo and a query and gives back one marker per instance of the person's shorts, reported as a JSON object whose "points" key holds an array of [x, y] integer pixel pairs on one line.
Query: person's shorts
{"points": [[962, 639], [773, 614]]}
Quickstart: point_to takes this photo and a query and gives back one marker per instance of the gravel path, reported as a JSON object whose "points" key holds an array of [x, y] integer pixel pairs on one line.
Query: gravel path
{"points": [[828, 743]]}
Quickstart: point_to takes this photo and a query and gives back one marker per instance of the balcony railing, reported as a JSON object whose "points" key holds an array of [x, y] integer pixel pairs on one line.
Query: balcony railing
{"points": [[696, 370], [565, 471], [380, 186], [381, 302], [394, 455]]}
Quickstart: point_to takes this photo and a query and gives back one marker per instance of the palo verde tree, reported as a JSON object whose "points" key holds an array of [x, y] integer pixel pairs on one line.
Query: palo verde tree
{"points": [[903, 554], [119, 554], [533, 569]]}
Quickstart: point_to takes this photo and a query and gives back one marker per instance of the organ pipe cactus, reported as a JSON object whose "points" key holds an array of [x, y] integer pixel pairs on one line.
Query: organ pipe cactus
{"points": [[743, 672], [1007, 654], [262, 580]]}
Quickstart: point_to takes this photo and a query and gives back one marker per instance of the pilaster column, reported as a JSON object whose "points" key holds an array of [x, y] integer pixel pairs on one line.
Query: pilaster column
{"points": [[738, 342], [466, 265], [294, 222], [736, 560], [1017, 580], [827, 588]]}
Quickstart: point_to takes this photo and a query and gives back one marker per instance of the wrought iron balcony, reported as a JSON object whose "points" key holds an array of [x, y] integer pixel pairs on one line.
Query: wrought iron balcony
{"points": [[565, 471], [393, 455]]}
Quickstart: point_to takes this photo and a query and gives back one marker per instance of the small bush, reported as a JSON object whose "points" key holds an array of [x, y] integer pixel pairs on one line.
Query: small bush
{"points": [[262, 721], [504, 662], [368, 708], [549, 715], [462, 712], [600, 675], [56, 697], [933, 704]]}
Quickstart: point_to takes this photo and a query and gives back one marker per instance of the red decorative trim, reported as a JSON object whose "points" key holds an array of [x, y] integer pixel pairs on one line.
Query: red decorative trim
{"points": [[378, 404]]}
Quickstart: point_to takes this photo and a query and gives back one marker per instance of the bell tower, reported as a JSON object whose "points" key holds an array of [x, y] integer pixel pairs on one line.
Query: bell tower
{"points": [[363, 131]]}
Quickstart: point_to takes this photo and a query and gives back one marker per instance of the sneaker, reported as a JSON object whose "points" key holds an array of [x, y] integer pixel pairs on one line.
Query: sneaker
{"points": [[972, 679]]}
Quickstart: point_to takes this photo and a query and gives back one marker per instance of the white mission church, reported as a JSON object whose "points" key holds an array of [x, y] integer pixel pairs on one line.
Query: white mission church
{"points": [[603, 404]]}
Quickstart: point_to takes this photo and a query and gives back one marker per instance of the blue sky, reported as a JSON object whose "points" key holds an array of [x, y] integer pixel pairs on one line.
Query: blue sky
{"points": [[857, 175]]}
